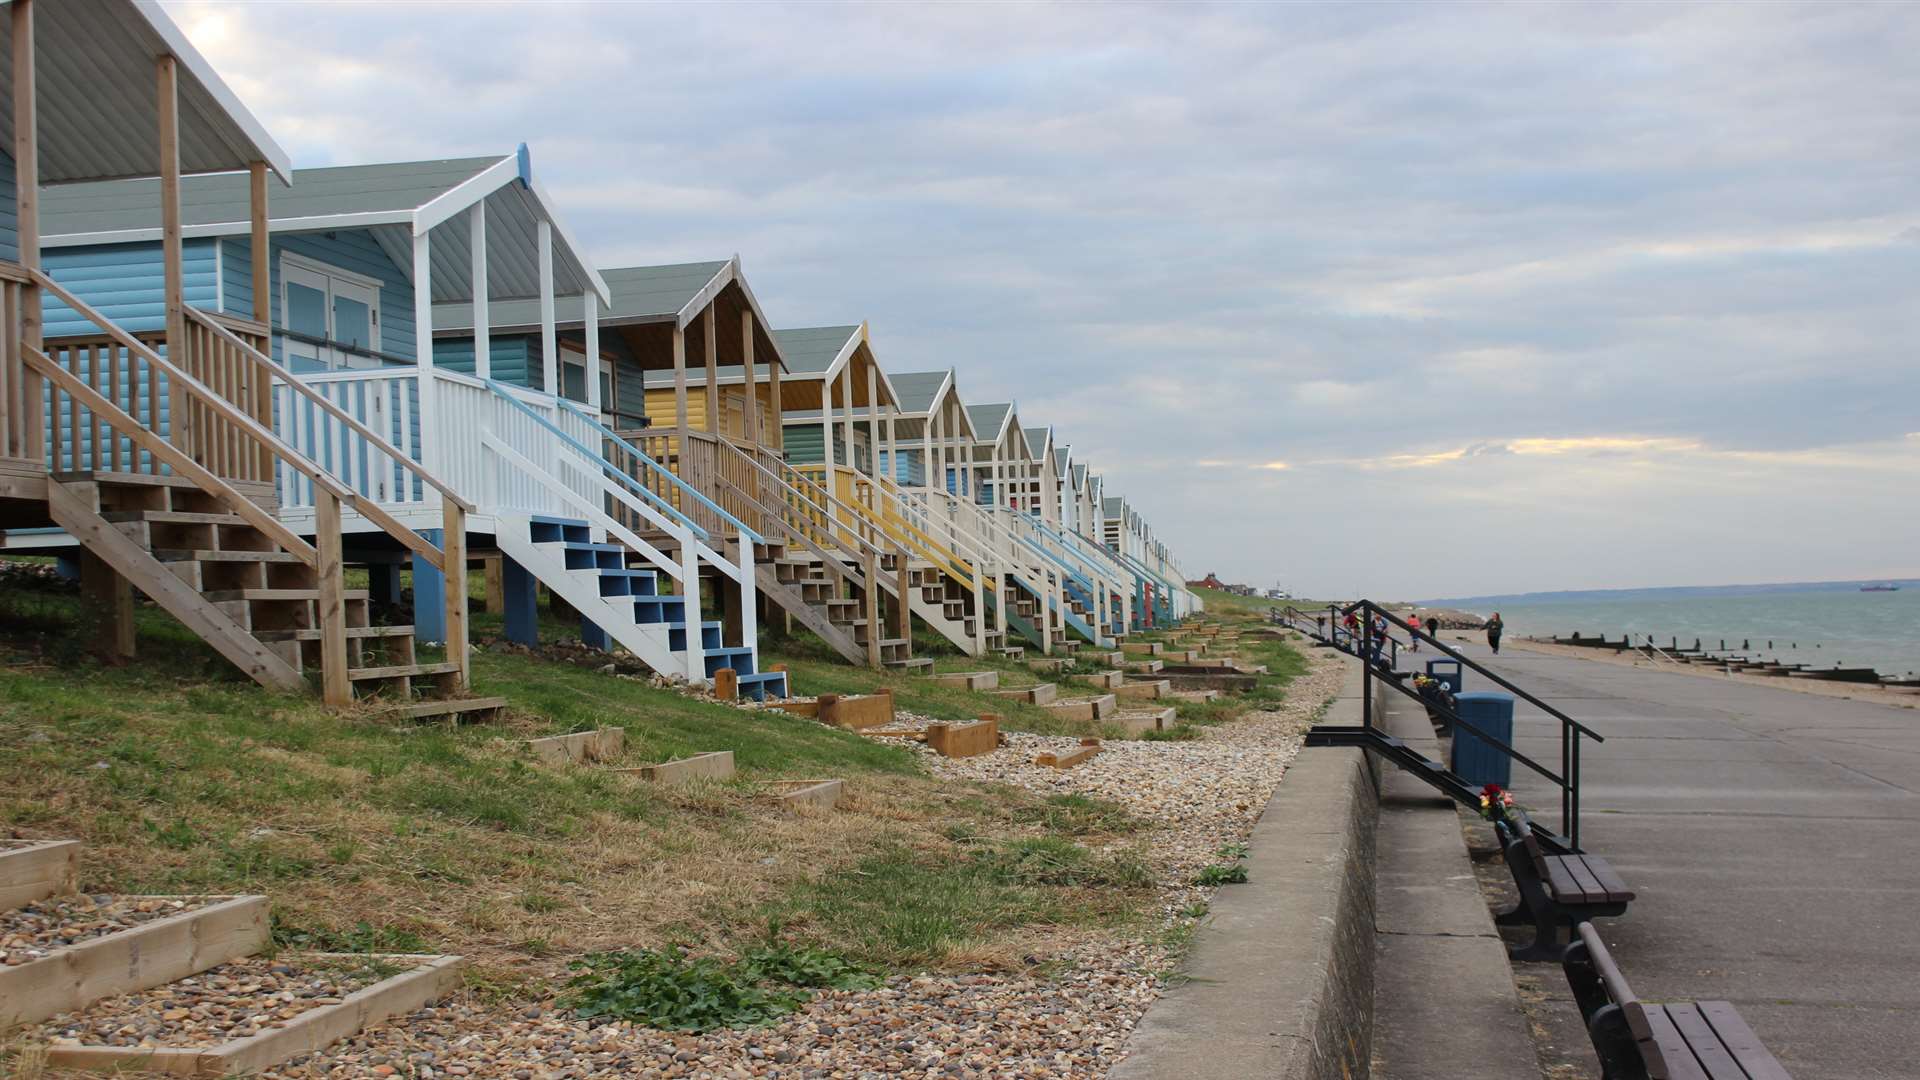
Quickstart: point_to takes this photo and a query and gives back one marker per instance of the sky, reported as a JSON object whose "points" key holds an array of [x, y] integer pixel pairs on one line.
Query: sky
{"points": [[1407, 301]]}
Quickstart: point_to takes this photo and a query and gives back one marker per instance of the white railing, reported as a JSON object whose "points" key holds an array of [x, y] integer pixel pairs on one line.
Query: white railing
{"points": [[386, 402], [463, 412]]}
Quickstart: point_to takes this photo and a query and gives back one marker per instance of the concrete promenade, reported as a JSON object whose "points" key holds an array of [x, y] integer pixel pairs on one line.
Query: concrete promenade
{"points": [[1773, 838]]}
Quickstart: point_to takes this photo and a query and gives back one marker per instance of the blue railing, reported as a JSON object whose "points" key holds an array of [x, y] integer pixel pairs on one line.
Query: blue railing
{"points": [[665, 473], [506, 394]]}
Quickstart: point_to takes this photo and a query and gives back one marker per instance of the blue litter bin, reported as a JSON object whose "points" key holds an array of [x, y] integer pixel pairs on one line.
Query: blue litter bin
{"points": [[1474, 759], [1448, 674]]}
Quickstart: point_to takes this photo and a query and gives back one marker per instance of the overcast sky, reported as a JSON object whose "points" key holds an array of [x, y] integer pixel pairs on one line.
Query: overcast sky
{"points": [[1413, 300]]}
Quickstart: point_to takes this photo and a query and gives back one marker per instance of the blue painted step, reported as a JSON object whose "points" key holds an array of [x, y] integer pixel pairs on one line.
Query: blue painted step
{"points": [[660, 609], [761, 686], [627, 583], [677, 636], [548, 530]]}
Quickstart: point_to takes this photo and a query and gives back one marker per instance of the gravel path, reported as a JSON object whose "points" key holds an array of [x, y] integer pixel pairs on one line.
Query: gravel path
{"points": [[31, 932], [218, 1005]]}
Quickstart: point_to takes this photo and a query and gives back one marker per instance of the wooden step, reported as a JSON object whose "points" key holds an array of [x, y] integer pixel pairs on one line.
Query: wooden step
{"points": [[399, 671], [425, 979], [453, 709], [353, 632], [173, 517], [1042, 694], [36, 869], [226, 595], [969, 680], [918, 665], [126, 479], [1095, 708], [142, 956], [176, 555]]}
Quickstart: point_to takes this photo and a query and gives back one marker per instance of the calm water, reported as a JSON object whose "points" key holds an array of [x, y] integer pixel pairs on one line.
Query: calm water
{"points": [[1850, 628]]}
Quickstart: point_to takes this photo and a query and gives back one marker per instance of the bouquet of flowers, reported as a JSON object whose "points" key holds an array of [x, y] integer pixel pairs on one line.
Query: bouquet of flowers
{"points": [[1495, 802]]}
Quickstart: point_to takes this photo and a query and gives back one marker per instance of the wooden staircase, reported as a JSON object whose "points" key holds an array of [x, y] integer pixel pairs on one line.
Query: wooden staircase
{"points": [[255, 602], [184, 513]]}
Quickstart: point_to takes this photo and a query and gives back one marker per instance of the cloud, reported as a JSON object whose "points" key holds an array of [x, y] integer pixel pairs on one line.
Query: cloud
{"points": [[1443, 261]]}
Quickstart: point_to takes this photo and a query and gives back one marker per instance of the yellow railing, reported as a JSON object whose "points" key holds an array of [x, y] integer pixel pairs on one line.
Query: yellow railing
{"points": [[871, 511]]}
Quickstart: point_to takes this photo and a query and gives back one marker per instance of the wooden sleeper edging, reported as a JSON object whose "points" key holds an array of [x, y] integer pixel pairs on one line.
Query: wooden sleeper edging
{"points": [[136, 958], [581, 747], [313, 1030], [36, 870], [715, 765], [1084, 752]]}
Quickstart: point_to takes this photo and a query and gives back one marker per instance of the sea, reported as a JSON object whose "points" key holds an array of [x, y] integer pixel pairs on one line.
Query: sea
{"points": [[1818, 624]]}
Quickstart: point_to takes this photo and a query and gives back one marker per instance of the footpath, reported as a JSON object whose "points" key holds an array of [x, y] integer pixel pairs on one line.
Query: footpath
{"points": [[1361, 946], [1774, 840]]}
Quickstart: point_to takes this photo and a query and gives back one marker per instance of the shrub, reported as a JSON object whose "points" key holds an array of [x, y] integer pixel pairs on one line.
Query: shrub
{"points": [[1222, 874], [665, 988]]}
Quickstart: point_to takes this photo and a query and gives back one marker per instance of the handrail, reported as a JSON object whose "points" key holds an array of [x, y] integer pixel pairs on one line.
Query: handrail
{"points": [[178, 459], [299, 386], [1491, 677], [926, 545], [576, 445], [248, 424], [699, 496], [887, 486], [1571, 730]]}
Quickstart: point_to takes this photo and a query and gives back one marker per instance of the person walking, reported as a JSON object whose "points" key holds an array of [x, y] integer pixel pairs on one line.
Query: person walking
{"points": [[1433, 627], [1413, 633], [1495, 627]]}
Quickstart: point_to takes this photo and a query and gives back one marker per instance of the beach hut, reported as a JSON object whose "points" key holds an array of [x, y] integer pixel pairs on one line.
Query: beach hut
{"points": [[998, 459], [837, 404], [138, 405], [373, 275]]}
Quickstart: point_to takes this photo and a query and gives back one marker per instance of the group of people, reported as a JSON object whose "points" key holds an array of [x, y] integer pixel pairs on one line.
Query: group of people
{"points": [[1377, 631]]}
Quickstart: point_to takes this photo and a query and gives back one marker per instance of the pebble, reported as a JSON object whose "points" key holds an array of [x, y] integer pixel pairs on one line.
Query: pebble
{"points": [[38, 929], [224, 1003], [1073, 1023]]}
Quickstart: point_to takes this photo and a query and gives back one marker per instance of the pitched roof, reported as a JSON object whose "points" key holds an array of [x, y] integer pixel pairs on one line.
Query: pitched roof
{"points": [[812, 350], [94, 66], [387, 191], [1060, 462], [1113, 507], [637, 294], [989, 420], [390, 200], [916, 389], [1037, 438]]}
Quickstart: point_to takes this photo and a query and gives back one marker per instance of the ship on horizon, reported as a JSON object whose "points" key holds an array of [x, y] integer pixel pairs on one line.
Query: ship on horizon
{"points": [[1888, 587]]}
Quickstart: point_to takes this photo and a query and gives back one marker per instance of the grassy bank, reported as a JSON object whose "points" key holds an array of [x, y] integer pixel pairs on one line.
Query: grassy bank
{"points": [[183, 778]]}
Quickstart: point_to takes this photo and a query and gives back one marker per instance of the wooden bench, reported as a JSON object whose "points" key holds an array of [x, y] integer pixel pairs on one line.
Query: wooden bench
{"points": [[1555, 890], [1693, 1040]]}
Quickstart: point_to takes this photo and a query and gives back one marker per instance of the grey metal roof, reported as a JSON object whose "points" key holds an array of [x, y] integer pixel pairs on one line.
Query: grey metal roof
{"points": [[639, 294], [396, 188], [385, 199], [812, 350], [1113, 507], [1079, 476], [98, 98], [987, 420], [1060, 460], [916, 389], [1037, 438]]}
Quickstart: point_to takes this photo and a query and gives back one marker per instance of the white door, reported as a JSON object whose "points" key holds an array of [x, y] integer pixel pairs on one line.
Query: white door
{"points": [[331, 318]]}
